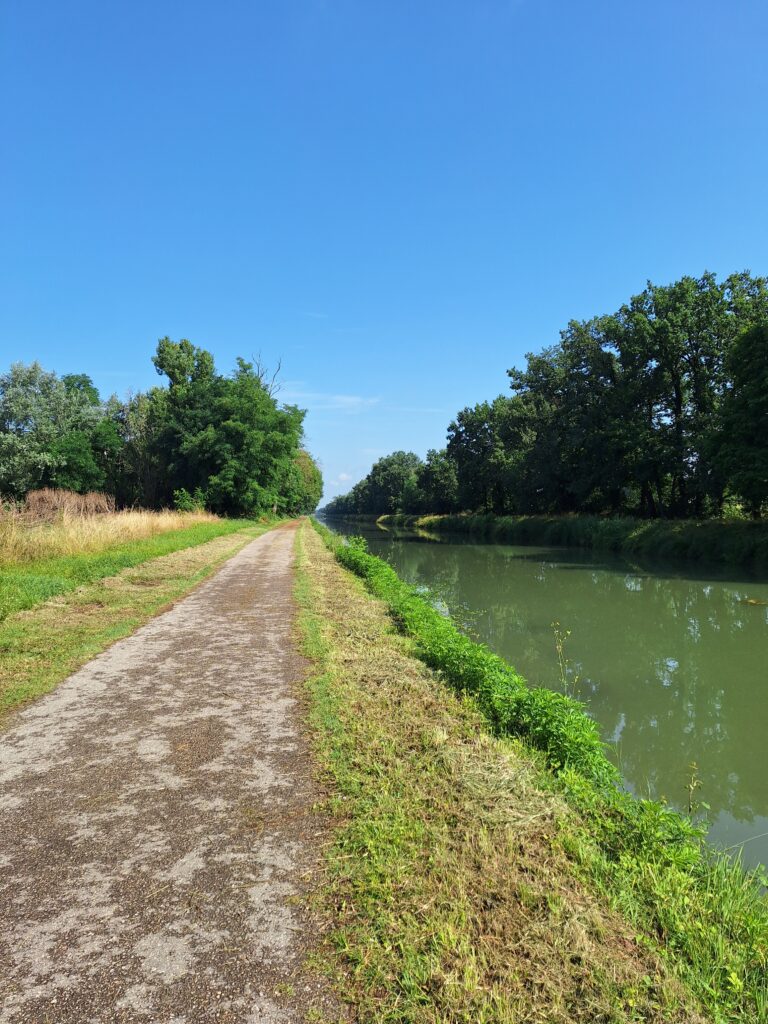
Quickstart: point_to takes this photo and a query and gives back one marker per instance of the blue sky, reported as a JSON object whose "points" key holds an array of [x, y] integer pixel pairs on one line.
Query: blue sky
{"points": [[397, 200]]}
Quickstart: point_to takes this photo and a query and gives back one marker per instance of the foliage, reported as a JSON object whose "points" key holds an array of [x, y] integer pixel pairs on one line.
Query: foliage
{"points": [[657, 410], [205, 438], [45, 428], [183, 501], [742, 447]]}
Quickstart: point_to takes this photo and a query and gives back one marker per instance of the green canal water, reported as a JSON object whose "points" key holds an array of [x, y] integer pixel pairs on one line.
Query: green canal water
{"points": [[671, 660]]}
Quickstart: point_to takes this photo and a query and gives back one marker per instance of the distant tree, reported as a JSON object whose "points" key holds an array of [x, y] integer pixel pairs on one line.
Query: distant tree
{"points": [[225, 437], [74, 465], [309, 486], [437, 483], [391, 478]]}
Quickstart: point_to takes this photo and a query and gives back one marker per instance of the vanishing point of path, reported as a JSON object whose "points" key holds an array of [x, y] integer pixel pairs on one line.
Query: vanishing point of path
{"points": [[157, 824]]}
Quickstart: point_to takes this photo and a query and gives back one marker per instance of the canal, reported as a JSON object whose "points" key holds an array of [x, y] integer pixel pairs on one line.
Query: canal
{"points": [[671, 660]]}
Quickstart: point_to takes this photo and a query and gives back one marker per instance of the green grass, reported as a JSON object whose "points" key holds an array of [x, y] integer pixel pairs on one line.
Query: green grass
{"points": [[44, 644], [701, 910], [452, 896], [733, 542], [26, 584]]}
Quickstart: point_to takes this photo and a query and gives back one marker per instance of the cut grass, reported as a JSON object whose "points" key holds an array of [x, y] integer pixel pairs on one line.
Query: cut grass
{"points": [[454, 897], [41, 646], [26, 582]]}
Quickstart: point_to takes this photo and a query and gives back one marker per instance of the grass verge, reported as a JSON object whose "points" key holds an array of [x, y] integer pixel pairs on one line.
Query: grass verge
{"points": [[29, 581], [730, 542], [41, 646], [455, 897], [701, 912]]}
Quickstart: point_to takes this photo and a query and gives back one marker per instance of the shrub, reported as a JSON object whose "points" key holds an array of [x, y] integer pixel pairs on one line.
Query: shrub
{"points": [[183, 501]]}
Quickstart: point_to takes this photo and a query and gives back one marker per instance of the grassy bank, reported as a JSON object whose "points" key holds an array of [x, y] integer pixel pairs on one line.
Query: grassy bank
{"points": [[702, 914], [735, 542], [42, 645], [41, 560]]}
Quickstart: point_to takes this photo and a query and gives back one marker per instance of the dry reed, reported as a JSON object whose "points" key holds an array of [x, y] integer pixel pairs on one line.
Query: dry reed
{"points": [[48, 503]]}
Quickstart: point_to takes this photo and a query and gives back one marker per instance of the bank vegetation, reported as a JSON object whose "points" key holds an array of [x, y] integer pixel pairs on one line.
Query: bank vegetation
{"points": [[472, 905], [729, 542]]}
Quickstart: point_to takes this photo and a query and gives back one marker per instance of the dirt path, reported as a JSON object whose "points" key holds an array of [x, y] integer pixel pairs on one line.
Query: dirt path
{"points": [[157, 826]]}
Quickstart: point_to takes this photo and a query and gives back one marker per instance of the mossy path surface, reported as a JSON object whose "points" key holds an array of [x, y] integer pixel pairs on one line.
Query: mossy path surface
{"points": [[159, 824]]}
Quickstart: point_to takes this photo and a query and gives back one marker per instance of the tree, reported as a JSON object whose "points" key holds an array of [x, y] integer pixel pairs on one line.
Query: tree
{"points": [[743, 443], [389, 479], [437, 484], [305, 485], [44, 423], [226, 437]]}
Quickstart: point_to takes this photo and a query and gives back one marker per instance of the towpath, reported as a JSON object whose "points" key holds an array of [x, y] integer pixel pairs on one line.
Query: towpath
{"points": [[157, 825]]}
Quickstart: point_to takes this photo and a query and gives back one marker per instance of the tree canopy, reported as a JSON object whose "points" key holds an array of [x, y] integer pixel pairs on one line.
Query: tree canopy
{"points": [[658, 409], [220, 441]]}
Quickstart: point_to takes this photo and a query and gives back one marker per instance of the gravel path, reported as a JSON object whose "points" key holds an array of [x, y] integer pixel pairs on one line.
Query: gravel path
{"points": [[157, 826]]}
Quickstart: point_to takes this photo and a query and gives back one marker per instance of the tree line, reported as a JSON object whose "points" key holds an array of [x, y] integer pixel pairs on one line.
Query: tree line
{"points": [[204, 440], [659, 409]]}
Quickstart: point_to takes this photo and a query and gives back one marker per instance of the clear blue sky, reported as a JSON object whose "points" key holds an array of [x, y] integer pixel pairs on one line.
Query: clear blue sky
{"points": [[397, 199]]}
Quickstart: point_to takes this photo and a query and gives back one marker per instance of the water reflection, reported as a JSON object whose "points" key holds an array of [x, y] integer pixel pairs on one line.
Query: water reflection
{"points": [[673, 662]]}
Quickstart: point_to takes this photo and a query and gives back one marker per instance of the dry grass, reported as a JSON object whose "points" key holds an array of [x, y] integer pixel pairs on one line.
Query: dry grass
{"points": [[25, 539], [454, 899], [47, 503]]}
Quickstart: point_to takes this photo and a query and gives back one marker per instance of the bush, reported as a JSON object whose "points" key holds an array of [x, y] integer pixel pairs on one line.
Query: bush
{"points": [[183, 501]]}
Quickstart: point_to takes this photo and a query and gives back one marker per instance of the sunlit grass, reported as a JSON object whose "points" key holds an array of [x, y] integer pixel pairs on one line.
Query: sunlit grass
{"points": [[453, 899], [704, 914], [41, 646], [22, 540], [41, 560]]}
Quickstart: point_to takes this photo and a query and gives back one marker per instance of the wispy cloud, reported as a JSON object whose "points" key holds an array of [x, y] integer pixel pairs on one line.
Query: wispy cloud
{"points": [[414, 409], [313, 314], [323, 400]]}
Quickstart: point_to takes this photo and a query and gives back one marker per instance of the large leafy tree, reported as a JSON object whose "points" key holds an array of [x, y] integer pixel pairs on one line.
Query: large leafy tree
{"points": [[47, 426], [742, 451], [437, 485], [390, 481], [225, 437]]}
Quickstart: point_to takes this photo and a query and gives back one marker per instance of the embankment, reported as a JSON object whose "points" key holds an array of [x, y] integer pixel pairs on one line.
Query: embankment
{"points": [[736, 542], [699, 912]]}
